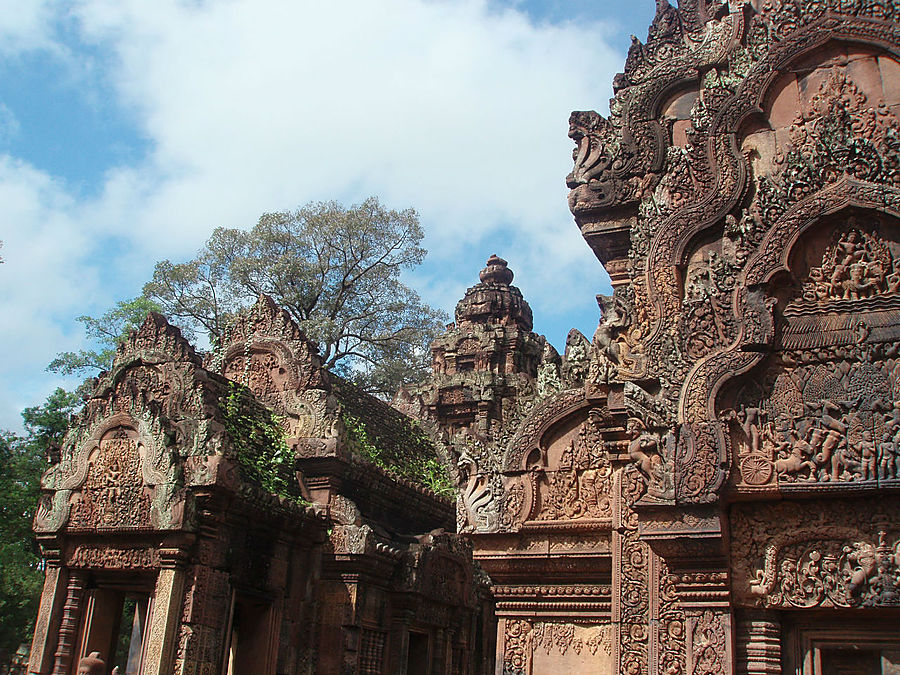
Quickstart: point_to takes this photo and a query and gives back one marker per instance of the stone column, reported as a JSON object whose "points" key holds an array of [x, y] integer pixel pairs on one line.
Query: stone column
{"points": [[68, 627], [501, 646], [440, 661], [53, 599], [759, 642], [165, 614], [399, 639]]}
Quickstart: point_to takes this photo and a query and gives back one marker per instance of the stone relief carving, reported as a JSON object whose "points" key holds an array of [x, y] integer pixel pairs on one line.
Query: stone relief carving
{"points": [[575, 364], [826, 573], [112, 495], [652, 455], [578, 484], [836, 555], [523, 639], [708, 640], [477, 496]]}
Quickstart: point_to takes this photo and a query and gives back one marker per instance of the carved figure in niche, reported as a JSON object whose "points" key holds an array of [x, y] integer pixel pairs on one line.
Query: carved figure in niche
{"points": [[515, 500], [888, 455], [548, 381], [595, 492], [856, 266], [575, 367], [613, 356], [643, 448], [651, 458], [562, 496]]}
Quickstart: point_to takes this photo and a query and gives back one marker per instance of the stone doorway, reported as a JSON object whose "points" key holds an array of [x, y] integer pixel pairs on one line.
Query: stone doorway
{"points": [[870, 647]]}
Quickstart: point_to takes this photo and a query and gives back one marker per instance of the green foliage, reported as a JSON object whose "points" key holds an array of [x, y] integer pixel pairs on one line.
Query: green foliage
{"points": [[106, 333], [427, 471], [22, 461], [434, 475], [46, 424], [335, 270], [21, 465], [258, 441]]}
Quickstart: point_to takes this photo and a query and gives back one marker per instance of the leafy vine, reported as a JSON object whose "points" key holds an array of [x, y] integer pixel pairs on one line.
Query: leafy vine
{"points": [[425, 470], [257, 438]]}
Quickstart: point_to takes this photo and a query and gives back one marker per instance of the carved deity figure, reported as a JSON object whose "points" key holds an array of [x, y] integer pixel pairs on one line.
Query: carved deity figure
{"points": [[548, 381], [643, 448], [857, 266], [612, 354], [888, 455], [863, 560], [752, 424], [575, 367]]}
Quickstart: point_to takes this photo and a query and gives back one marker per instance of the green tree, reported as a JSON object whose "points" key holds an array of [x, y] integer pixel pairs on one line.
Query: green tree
{"points": [[336, 270], [106, 333], [22, 461]]}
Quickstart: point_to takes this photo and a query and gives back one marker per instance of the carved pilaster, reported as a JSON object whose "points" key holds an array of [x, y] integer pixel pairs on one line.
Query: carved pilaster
{"points": [[165, 614], [400, 632], [68, 627], [49, 616], [758, 643]]}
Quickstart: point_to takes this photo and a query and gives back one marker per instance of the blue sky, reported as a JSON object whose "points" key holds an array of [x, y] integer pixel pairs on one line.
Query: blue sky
{"points": [[129, 130]]}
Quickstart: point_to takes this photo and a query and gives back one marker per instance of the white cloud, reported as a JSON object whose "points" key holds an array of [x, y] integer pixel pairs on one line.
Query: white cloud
{"points": [[454, 107], [43, 276], [26, 26], [255, 105]]}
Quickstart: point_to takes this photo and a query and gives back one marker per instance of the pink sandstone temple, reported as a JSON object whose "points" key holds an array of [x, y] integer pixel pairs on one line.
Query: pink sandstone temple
{"points": [[709, 485]]}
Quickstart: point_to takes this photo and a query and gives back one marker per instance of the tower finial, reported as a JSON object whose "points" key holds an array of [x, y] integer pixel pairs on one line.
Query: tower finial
{"points": [[496, 272]]}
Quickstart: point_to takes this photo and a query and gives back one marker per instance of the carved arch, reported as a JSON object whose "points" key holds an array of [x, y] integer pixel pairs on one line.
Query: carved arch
{"points": [[529, 434], [750, 99], [704, 454], [668, 248], [67, 478]]}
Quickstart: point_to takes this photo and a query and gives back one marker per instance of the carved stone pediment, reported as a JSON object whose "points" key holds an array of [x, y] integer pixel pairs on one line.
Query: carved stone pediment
{"points": [[118, 479]]}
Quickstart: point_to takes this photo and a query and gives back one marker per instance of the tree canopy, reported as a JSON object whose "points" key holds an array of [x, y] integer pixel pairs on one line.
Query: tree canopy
{"points": [[22, 461], [336, 270], [106, 332]]}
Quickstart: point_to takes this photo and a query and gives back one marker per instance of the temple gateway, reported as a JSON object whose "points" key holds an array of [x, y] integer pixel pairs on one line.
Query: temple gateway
{"points": [[711, 484]]}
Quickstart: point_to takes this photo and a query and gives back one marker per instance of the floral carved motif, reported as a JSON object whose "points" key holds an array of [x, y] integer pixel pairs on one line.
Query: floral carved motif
{"points": [[708, 641], [839, 555], [523, 639], [831, 574]]}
